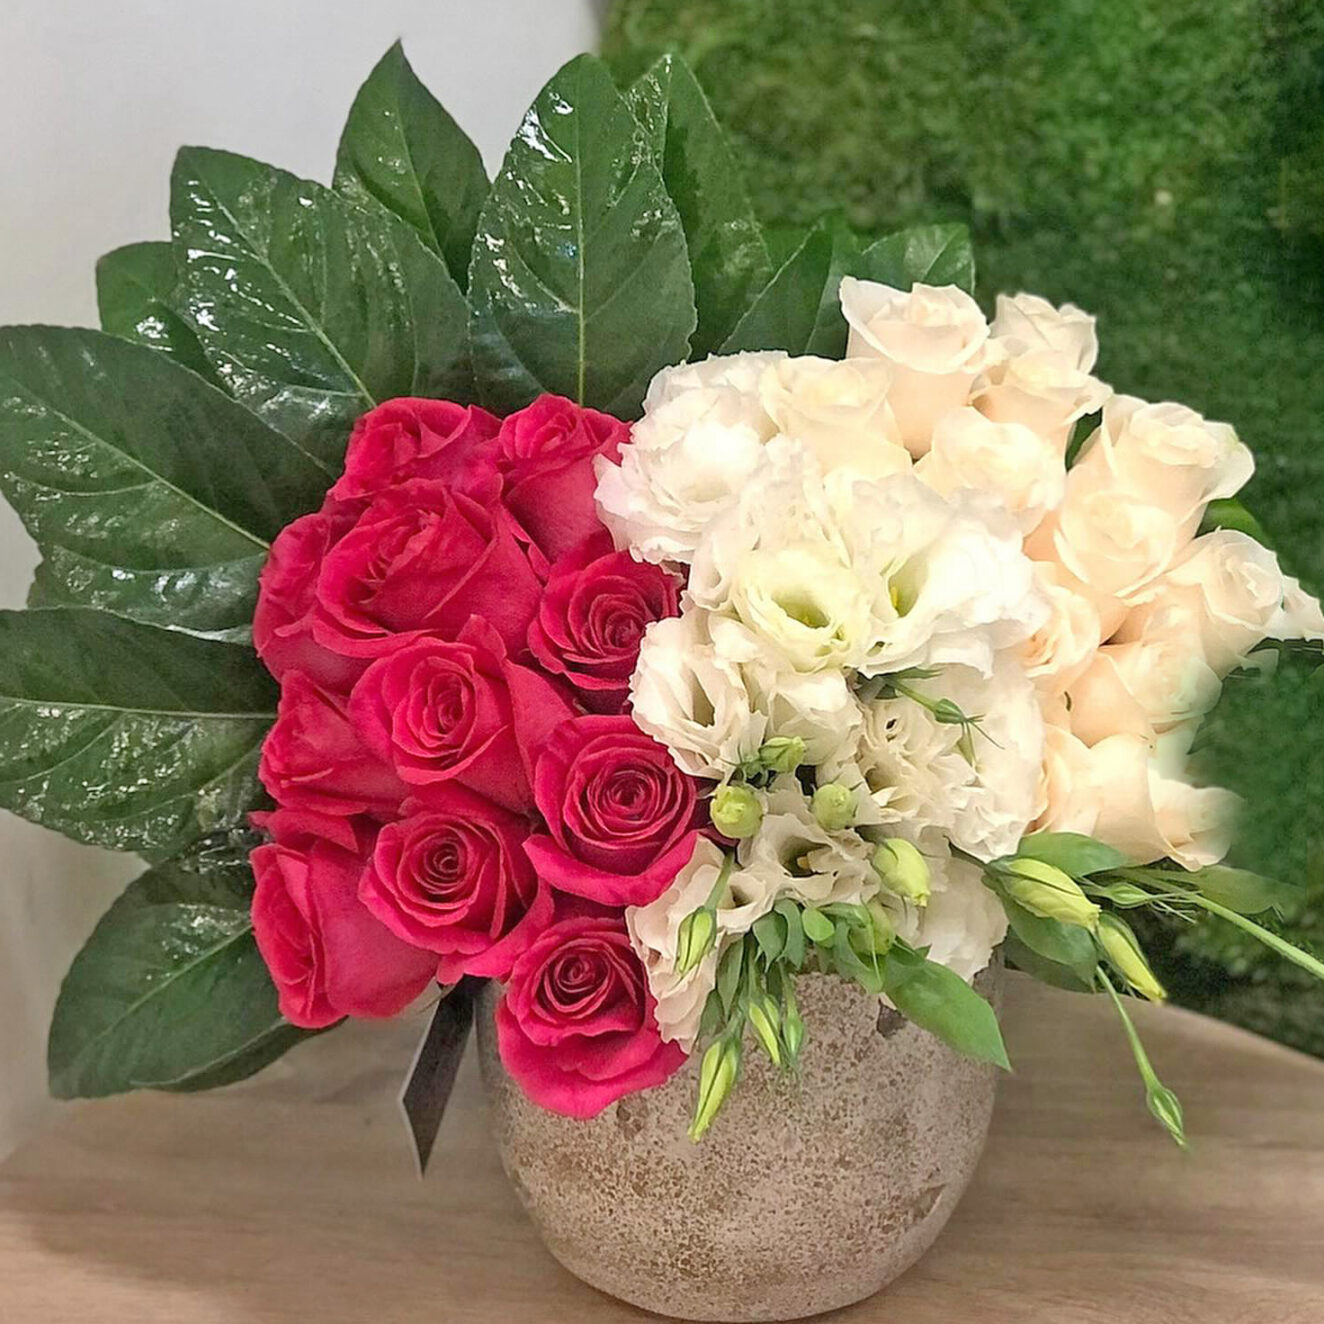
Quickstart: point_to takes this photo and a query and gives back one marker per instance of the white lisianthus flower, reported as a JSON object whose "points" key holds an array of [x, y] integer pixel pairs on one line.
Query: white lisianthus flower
{"points": [[839, 410], [963, 922], [692, 700], [934, 337], [914, 777], [1064, 646], [1143, 688], [1226, 591], [1035, 324], [740, 373], [1022, 471]]}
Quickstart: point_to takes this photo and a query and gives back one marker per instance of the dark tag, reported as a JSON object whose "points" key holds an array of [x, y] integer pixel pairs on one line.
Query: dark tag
{"points": [[432, 1077]]}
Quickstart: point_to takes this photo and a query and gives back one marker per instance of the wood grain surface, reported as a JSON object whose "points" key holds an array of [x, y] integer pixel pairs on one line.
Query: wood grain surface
{"points": [[293, 1197]]}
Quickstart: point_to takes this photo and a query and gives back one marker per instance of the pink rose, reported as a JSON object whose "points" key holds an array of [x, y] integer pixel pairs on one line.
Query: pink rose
{"points": [[328, 956], [409, 438], [282, 624], [593, 614], [438, 710], [576, 1027], [452, 877], [422, 559], [622, 817], [546, 454], [312, 758]]}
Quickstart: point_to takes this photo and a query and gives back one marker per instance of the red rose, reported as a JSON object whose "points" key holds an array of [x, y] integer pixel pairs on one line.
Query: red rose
{"points": [[438, 710], [312, 758], [423, 558], [282, 624], [327, 954], [594, 610], [451, 876], [576, 1027], [621, 816], [408, 438], [547, 453]]}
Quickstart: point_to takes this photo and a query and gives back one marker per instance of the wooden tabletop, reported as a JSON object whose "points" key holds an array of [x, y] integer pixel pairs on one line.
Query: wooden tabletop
{"points": [[293, 1198]]}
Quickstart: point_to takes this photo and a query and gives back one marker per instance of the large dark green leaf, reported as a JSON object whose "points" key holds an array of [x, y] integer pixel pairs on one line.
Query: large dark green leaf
{"points": [[401, 149], [151, 493], [580, 280], [922, 255], [1063, 944], [728, 257], [311, 308], [138, 296], [169, 992], [124, 735], [940, 1001], [798, 309]]}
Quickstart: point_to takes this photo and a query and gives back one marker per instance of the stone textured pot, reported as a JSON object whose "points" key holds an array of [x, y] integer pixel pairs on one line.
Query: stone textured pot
{"points": [[806, 1195]]}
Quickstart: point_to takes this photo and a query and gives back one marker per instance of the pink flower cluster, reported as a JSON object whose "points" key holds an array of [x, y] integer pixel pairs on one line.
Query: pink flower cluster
{"points": [[459, 787]]}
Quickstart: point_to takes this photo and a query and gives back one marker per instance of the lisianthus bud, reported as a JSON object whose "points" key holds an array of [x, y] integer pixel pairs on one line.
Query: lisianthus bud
{"points": [[793, 1027], [833, 806], [903, 870], [1122, 949], [1044, 890], [883, 927], [695, 939], [717, 1075], [765, 1021], [736, 811], [782, 753]]}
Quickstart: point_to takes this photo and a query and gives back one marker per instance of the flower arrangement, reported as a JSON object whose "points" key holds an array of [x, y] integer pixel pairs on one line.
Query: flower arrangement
{"points": [[534, 583]]}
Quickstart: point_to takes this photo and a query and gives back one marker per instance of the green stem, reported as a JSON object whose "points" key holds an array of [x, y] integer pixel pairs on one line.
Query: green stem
{"points": [[1162, 1102], [1266, 936], [719, 887]]}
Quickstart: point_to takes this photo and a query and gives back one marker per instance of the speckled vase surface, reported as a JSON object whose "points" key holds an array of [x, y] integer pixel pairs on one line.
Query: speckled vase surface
{"points": [[807, 1194]]}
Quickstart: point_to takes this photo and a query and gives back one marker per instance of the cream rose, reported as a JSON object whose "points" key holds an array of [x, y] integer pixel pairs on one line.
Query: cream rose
{"points": [[839, 409], [1032, 323], [1017, 467], [1064, 646], [936, 340], [1040, 389]]}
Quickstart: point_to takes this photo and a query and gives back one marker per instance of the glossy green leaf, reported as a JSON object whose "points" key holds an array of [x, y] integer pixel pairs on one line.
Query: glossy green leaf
{"points": [[401, 149], [940, 1001], [1027, 960], [1241, 890], [728, 257], [581, 280], [729, 970], [798, 309], [127, 736], [138, 299], [170, 992], [770, 931], [1072, 852], [312, 309], [921, 255], [151, 493], [795, 948], [1064, 944]]}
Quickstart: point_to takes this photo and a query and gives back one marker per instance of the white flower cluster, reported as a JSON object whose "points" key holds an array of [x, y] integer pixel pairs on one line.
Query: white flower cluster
{"points": [[881, 546]]}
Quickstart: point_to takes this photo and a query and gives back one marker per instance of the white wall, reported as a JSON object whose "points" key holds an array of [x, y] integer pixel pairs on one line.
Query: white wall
{"points": [[95, 98]]}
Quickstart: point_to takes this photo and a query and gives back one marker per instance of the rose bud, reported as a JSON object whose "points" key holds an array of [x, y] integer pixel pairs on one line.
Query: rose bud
{"points": [[409, 438], [597, 604], [452, 877], [327, 954], [621, 817], [546, 455], [576, 1028]]}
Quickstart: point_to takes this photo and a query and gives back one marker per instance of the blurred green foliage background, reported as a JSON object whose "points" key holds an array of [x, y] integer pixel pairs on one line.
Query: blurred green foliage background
{"points": [[1161, 164]]}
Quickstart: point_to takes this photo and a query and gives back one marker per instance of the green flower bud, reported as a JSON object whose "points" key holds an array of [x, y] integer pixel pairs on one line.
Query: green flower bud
{"points": [[1124, 954], [833, 806], [793, 1027], [903, 870], [1044, 890], [782, 753], [736, 811], [882, 927], [698, 932], [717, 1075], [765, 1021]]}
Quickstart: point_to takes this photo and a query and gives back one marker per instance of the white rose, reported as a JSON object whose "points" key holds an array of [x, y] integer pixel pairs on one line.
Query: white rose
{"points": [[687, 460], [935, 338], [1167, 455], [1143, 688], [740, 373], [963, 922], [1226, 590], [1036, 324], [1301, 616], [1023, 472], [1067, 801], [692, 700], [839, 409], [1041, 389], [1064, 646]]}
